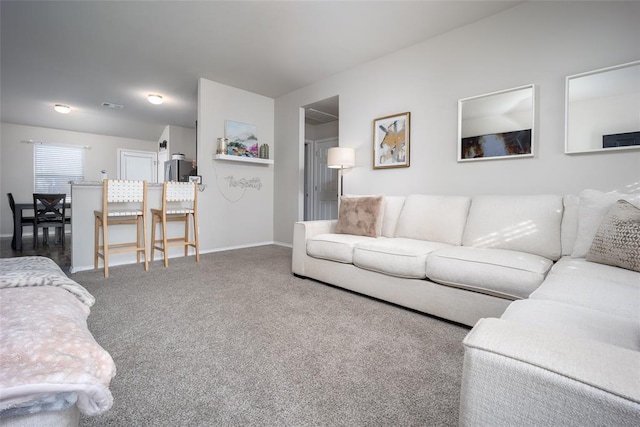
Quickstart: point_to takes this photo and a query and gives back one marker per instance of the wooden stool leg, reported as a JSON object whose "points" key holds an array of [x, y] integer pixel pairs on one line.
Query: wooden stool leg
{"points": [[144, 242], [105, 246], [138, 240], [154, 224], [186, 234], [96, 238], [165, 244], [195, 235]]}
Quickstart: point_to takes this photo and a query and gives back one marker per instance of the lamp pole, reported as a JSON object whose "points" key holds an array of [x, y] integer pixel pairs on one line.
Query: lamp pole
{"points": [[341, 158]]}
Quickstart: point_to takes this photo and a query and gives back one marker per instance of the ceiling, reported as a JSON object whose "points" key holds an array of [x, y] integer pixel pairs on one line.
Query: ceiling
{"points": [[86, 53]]}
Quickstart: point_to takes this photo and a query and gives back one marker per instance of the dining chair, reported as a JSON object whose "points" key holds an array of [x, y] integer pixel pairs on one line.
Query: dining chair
{"points": [[25, 220], [179, 204], [123, 202], [49, 212]]}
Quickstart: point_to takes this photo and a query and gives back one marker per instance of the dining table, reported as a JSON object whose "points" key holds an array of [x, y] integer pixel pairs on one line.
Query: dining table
{"points": [[17, 222]]}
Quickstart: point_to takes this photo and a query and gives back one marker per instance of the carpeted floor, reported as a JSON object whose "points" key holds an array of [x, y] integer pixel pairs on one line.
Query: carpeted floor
{"points": [[238, 340]]}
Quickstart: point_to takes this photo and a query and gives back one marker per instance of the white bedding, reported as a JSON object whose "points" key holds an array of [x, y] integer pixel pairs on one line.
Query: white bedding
{"points": [[47, 354], [39, 271]]}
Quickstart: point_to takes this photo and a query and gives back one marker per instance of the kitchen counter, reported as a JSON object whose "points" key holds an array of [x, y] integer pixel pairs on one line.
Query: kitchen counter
{"points": [[86, 198]]}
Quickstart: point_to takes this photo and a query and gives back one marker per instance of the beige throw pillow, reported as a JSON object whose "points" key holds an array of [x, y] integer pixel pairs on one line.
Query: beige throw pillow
{"points": [[617, 241], [360, 216], [593, 207]]}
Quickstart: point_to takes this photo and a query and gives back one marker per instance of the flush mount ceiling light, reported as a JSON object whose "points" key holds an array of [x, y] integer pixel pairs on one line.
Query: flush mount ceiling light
{"points": [[61, 108], [155, 99]]}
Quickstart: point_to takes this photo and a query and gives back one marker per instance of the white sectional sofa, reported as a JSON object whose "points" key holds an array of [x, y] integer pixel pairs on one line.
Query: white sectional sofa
{"points": [[556, 339]]}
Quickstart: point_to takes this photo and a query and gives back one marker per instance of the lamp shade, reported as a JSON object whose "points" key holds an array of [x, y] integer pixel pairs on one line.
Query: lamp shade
{"points": [[341, 158]]}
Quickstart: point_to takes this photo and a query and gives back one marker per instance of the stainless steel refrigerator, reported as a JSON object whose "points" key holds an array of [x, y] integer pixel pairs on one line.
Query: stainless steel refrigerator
{"points": [[177, 170]]}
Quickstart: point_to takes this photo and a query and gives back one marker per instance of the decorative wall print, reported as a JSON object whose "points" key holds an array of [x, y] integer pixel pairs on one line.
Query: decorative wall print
{"points": [[497, 125], [241, 138], [391, 141], [516, 143]]}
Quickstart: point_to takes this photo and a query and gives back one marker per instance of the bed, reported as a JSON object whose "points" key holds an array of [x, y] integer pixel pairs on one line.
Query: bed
{"points": [[51, 367]]}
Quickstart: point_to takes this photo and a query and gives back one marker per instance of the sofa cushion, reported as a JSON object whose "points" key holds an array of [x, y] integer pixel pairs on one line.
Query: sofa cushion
{"points": [[392, 208], [569, 229], [614, 298], [594, 206], [360, 216], [499, 272], [433, 218], [518, 223], [395, 257], [617, 241], [581, 267], [576, 321], [334, 247]]}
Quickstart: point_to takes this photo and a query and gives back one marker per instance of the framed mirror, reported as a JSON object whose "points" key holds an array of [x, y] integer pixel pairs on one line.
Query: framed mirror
{"points": [[602, 110], [498, 125]]}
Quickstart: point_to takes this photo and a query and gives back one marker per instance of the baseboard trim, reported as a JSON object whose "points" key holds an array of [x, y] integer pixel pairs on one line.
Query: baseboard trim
{"points": [[74, 269]]}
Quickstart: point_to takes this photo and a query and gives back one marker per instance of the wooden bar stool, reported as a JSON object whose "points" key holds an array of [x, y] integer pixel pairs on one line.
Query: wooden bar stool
{"points": [[123, 202], [179, 203]]}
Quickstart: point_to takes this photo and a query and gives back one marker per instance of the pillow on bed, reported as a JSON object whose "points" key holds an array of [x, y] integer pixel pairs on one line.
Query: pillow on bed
{"points": [[617, 241], [360, 216]]}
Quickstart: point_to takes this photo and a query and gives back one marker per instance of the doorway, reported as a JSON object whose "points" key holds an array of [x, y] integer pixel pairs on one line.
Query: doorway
{"points": [[137, 165], [320, 183]]}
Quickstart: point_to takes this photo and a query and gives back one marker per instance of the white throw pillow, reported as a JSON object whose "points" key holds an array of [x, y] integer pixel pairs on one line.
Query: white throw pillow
{"points": [[594, 206]]}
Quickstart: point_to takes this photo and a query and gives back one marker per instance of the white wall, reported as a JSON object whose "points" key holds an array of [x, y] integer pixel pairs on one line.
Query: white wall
{"points": [[230, 215], [322, 131], [536, 42], [16, 160], [180, 140]]}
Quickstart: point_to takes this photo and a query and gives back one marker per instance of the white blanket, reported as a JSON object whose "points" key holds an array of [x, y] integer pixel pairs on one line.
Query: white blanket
{"points": [[39, 271], [46, 348]]}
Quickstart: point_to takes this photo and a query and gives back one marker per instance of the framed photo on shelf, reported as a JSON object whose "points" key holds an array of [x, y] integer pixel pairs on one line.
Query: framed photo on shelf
{"points": [[391, 141], [242, 139]]}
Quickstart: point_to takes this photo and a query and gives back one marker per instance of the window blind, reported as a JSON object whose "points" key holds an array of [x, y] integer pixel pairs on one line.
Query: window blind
{"points": [[56, 166]]}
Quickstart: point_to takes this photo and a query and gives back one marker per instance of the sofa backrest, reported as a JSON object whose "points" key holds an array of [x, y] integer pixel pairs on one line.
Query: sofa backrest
{"points": [[433, 218], [528, 223], [569, 229], [392, 208]]}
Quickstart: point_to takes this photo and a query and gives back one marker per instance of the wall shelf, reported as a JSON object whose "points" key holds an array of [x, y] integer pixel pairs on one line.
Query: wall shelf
{"points": [[243, 159]]}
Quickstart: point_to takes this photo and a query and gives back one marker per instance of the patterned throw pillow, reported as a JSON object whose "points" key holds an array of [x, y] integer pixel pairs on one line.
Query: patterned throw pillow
{"points": [[617, 240], [359, 216]]}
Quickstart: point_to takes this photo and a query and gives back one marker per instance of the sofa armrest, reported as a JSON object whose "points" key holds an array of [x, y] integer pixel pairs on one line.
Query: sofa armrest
{"points": [[303, 230], [520, 374]]}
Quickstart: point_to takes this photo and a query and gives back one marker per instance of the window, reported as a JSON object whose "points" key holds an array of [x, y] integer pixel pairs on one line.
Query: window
{"points": [[55, 166]]}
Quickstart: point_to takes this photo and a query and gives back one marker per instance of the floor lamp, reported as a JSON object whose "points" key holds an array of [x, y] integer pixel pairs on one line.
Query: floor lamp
{"points": [[341, 158]]}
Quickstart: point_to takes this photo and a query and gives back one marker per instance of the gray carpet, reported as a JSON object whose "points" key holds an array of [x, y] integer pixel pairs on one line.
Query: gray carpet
{"points": [[238, 340]]}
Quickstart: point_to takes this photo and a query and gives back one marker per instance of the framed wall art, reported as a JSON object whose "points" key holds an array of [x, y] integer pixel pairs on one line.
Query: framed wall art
{"points": [[497, 125], [391, 141], [241, 139]]}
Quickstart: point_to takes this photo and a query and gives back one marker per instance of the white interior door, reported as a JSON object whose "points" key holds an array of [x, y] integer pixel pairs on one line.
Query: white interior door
{"points": [[325, 204], [137, 165], [308, 180]]}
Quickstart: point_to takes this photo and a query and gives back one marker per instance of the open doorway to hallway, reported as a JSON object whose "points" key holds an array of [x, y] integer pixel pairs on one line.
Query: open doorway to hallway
{"points": [[320, 182]]}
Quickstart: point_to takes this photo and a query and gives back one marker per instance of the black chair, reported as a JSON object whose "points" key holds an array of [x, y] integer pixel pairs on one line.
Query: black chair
{"points": [[49, 210], [26, 220]]}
